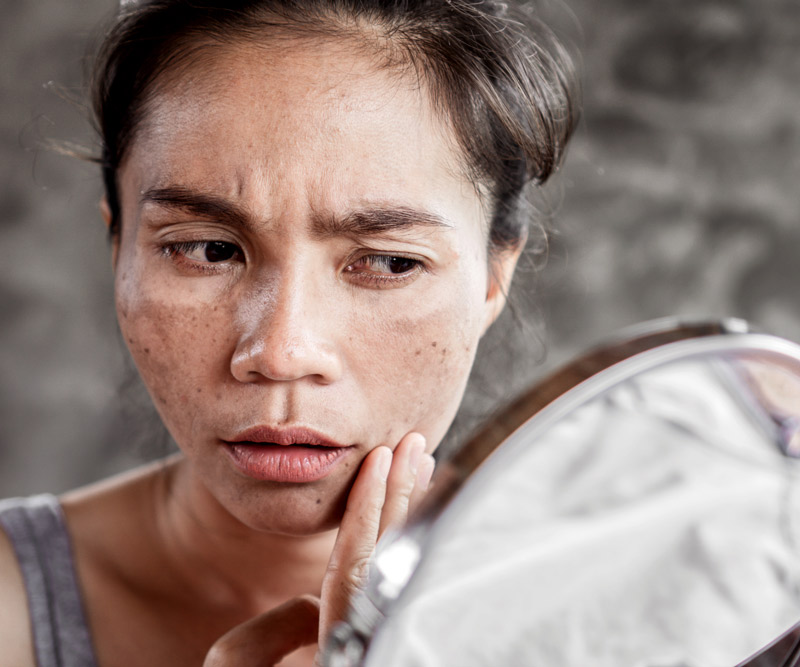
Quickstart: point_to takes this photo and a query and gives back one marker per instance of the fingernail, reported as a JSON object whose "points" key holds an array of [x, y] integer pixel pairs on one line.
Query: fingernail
{"points": [[415, 455], [384, 462]]}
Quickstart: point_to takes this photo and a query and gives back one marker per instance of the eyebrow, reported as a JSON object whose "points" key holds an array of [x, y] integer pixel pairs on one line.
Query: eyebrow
{"points": [[372, 221], [378, 221], [199, 203]]}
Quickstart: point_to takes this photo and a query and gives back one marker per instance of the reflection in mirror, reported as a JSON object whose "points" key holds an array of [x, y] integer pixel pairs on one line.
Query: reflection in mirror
{"points": [[650, 522], [774, 383]]}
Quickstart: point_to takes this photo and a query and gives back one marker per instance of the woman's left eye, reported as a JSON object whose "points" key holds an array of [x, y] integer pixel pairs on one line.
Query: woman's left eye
{"points": [[206, 252], [385, 268]]}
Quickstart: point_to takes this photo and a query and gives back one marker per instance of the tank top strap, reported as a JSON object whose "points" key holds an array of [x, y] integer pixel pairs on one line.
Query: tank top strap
{"points": [[38, 532]]}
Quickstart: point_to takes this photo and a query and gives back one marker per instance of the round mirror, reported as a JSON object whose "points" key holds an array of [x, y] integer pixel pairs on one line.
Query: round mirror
{"points": [[642, 510]]}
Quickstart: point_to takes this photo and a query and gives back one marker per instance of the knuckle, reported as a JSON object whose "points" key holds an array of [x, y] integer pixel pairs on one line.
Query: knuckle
{"points": [[358, 563], [354, 574], [359, 571]]}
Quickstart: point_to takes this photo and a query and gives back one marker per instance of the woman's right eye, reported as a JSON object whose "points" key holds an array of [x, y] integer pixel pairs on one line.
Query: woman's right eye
{"points": [[206, 252]]}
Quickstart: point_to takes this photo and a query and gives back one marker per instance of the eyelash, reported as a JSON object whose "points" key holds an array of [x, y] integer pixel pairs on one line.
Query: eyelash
{"points": [[181, 249], [389, 279], [178, 251]]}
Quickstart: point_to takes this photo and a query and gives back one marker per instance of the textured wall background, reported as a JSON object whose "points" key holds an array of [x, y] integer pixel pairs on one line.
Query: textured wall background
{"points": [[680, 196]]}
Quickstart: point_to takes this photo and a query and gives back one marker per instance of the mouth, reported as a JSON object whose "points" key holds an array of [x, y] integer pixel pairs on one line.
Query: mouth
{"points": [[292, 455]]}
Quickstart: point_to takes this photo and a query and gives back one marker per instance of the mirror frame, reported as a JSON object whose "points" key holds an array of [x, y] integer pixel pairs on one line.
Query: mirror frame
{"points": [[630, 353]]}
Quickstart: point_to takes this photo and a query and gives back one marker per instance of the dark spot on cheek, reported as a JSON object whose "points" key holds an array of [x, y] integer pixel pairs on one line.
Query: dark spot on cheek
{"points": [[147, 350], [130, 341], [418, 352], [319, 500], [199, 390], [162, 400], [433, 344]]}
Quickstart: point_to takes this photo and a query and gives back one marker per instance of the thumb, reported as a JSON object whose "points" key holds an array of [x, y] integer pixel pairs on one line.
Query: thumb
{"points": [[265, 640]]}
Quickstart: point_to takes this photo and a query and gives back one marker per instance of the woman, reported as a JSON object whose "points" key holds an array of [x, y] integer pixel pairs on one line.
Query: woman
{"points": [[315, 211]]}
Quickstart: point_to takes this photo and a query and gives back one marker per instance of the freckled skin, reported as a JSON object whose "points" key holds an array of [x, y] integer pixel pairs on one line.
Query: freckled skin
{"points": [[288, 336]]}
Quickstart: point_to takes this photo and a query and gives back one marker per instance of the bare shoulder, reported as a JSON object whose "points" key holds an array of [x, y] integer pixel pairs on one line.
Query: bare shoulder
{"points": [[91, 513], [105, 519], [15, 628]]}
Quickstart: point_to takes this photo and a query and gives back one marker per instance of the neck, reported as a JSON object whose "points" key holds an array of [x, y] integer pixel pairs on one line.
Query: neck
{"points": [[212, 551]]}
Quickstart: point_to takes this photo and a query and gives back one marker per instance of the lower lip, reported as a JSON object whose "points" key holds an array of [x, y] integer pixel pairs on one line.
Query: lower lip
{"points": [[285, 463]]}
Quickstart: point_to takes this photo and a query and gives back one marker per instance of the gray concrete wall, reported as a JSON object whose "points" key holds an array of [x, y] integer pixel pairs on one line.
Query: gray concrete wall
{"points": [[680, 197]]}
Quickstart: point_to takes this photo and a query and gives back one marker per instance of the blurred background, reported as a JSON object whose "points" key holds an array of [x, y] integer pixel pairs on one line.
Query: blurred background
{"points": [[680, 196]]}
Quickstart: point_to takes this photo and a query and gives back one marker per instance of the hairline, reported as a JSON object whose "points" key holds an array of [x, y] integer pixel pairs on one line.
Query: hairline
{"points": [[195, 45]]}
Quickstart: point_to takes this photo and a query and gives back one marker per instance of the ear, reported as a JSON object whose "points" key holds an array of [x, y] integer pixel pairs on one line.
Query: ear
{"points": [[501, 271], [105, 211]]}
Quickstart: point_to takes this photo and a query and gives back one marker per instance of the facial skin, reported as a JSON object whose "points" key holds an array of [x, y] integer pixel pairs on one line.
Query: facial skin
{"points": [[278, 154]]}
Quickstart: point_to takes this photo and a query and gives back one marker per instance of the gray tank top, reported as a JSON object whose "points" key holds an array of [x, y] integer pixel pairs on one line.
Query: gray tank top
{"points": [[38, 532]]}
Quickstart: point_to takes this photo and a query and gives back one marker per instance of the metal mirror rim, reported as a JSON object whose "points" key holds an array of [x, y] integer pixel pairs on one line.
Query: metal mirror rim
{"points": [[632, 352]]}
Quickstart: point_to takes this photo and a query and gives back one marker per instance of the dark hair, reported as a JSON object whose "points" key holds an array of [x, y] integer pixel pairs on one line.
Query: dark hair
{"points": [[510, 91]]}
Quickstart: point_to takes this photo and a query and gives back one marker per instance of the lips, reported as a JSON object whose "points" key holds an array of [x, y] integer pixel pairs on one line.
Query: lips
{"points": [[291, 455]]}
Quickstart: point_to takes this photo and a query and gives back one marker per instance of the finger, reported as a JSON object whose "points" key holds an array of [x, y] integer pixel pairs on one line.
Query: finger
{"points": [[424, 474], [347, 568], [266, 639], [401, 482]]}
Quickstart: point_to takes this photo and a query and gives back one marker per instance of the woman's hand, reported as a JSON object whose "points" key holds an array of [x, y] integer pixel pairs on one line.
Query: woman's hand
{"points": [[389, 485]]}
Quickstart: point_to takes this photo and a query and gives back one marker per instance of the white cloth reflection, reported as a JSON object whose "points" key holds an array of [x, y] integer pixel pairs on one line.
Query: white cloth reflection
{"points": [[651, 528]]}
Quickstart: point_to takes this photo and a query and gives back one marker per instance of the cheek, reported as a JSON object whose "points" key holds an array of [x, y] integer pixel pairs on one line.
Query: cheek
{"points": [[419, 364], [172, 344]]}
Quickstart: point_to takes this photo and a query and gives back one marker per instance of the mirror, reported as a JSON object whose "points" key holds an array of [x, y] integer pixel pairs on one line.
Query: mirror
{"points": [[639, 508]]}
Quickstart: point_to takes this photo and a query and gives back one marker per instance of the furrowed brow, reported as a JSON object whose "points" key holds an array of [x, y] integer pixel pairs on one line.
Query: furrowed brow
{"points": [[198, 203], [378, 221]]}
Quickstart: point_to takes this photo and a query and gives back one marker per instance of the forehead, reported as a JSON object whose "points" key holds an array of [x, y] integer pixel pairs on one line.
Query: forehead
{"points": [[319, 115]]}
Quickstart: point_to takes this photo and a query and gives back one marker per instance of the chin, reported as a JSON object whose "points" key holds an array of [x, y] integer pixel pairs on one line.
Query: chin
{"points": [[299, 512]]}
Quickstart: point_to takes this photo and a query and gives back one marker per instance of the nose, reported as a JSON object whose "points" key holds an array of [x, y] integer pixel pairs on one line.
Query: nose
{"points": [[286, 336]]}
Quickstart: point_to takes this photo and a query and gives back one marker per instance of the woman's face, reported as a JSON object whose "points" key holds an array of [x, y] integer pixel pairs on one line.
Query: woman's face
{"points": [[301, 262]]}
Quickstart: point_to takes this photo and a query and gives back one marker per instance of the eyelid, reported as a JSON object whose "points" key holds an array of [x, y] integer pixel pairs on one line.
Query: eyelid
{"points": [[175, 229], [377, 279], [178, 228], [385, 255], [178, 251]]}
